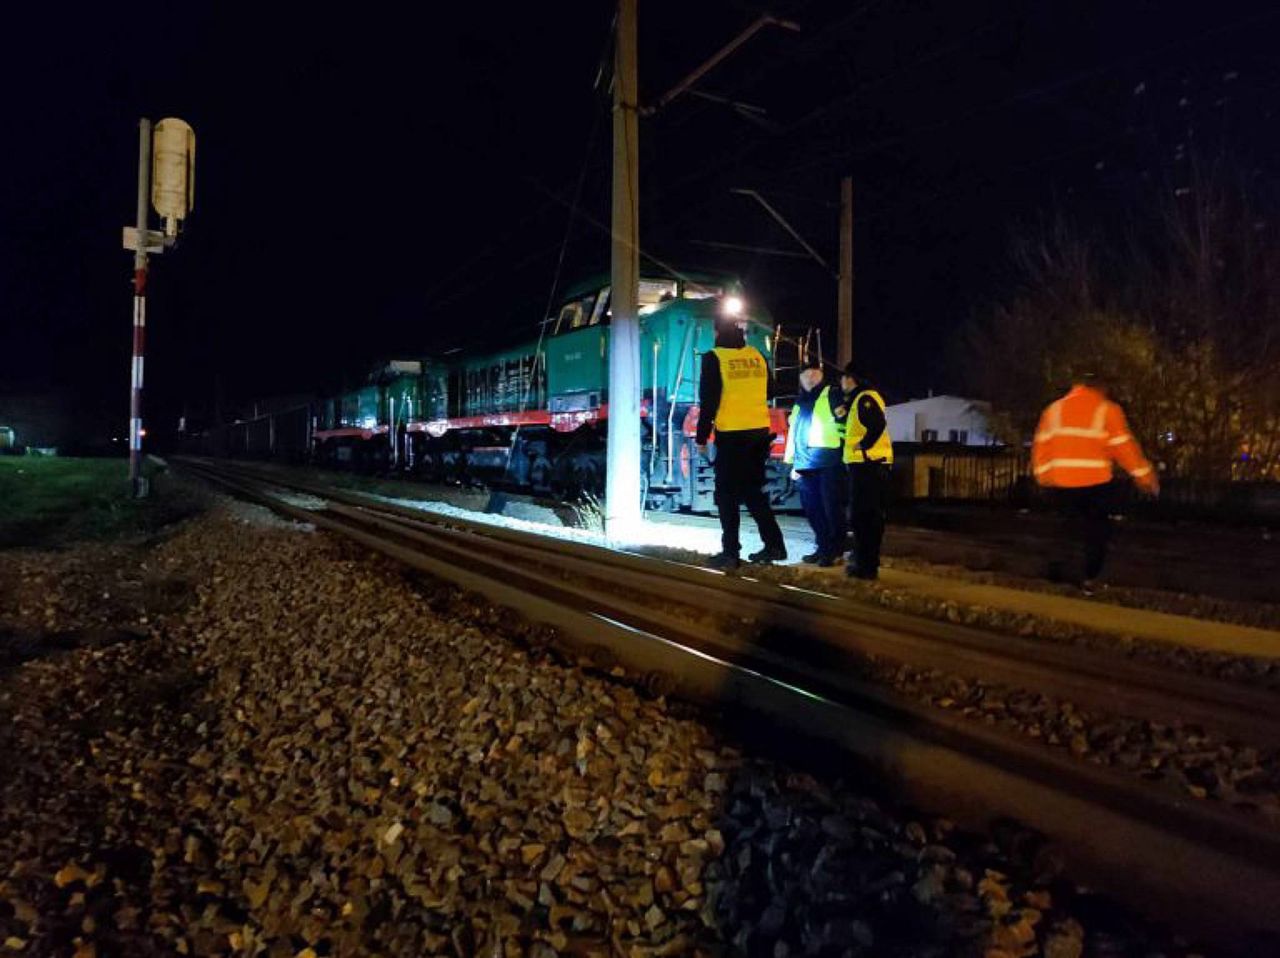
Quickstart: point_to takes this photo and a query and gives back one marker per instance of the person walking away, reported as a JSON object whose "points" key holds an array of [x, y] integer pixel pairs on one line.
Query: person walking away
{"points": [[815, 436], [733, 399], [868, 456], [1080, 438]]}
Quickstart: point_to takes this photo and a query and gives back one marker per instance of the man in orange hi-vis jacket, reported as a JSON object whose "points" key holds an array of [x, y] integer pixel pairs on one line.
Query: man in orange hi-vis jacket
{"points": [[1081, 436]]}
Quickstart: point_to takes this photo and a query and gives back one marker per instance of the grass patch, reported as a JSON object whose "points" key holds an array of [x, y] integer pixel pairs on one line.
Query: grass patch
{"points": [[48, 502]]}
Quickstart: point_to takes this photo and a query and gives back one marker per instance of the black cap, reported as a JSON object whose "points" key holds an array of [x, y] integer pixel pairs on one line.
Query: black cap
{"points": [[852, 372]]}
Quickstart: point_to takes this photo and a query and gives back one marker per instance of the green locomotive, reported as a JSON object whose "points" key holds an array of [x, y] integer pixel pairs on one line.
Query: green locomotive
{"points": [[534, 416]]}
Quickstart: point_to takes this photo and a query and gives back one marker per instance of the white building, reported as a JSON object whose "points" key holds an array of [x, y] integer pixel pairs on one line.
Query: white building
{"points": [[941, 419]]}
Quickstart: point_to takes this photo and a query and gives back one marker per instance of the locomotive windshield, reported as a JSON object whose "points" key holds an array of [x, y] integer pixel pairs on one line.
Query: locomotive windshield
{"points": [[581, 312], [593, 308]]}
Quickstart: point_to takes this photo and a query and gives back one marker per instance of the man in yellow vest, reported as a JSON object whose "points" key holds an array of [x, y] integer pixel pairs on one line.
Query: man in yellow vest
{"points": [[815, 437], [868, 455], [733, 399]]}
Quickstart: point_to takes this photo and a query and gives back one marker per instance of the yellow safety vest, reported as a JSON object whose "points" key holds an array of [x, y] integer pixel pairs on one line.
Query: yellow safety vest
{"points": [[744, 389], [881, 450], [824, 431]]}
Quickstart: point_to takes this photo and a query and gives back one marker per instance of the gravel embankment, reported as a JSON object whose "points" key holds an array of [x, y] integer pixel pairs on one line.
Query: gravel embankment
{"points": [[700, 540], [1184, 759], [1256, 671], [1262, 615], [260, 741], [972, 558]]}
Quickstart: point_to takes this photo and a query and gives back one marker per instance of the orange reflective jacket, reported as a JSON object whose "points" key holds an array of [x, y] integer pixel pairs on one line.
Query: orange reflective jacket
{"points": [[1078, 439]]}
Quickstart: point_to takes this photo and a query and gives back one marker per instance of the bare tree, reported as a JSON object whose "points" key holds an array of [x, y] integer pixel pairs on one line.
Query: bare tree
{"points": [[1181, 317]]}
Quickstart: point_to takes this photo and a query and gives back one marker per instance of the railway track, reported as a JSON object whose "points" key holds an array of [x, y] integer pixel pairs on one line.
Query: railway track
{"points": [[794, 656]]}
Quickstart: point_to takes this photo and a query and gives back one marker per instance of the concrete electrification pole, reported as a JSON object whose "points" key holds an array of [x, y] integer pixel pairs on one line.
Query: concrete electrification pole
{"points": [[844, 308], [623, 508]]}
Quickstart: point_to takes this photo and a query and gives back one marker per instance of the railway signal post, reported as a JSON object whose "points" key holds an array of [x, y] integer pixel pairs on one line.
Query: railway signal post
{"points": [[166, 175]]}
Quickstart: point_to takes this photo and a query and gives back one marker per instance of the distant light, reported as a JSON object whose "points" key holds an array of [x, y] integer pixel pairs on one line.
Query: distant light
{"points": [[142, 433], [732, 306]]}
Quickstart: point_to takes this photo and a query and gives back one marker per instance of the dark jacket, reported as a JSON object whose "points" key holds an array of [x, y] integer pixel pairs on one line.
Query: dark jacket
{"points": [[806, 458], [869, 414]]}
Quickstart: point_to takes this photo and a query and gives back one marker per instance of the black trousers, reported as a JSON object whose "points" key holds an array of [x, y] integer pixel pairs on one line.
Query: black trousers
{"points": [[822, 499], [868, 482], [1087, 516], [739, 470]]}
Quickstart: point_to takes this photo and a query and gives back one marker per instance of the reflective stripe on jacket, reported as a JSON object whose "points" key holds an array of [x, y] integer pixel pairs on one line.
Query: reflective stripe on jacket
{"points": [[882, 449], [820, 427], [1080, 437], [744, 389]]}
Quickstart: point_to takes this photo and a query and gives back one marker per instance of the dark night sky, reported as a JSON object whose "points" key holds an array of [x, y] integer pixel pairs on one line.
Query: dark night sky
{"points": [[374, 182]]}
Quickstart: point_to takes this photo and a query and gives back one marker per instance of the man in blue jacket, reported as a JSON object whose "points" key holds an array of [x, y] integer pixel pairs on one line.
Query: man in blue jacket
{"points": [[815, 439]]}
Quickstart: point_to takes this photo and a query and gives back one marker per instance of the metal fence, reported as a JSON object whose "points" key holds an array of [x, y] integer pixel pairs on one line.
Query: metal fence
{"points": [[997, 475], [1004, 476]]}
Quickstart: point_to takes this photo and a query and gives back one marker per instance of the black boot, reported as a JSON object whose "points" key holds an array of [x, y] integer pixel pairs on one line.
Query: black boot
{"points": [[725, 562]]}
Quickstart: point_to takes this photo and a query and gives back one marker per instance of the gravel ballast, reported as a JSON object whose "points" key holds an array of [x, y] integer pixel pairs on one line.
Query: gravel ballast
{"points": [[254, 739]]}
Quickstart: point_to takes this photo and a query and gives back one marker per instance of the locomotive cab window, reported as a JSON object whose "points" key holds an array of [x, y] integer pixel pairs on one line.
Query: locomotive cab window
{"points": [[584, 311], [653, 292], [602, 304]]}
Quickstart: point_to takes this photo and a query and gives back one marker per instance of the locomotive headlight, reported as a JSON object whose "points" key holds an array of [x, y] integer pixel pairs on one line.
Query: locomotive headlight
{"points": [[732, 305]]}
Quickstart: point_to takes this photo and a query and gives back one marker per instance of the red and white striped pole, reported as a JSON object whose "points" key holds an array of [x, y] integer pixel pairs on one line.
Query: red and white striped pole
{"points": [[136, 480]]}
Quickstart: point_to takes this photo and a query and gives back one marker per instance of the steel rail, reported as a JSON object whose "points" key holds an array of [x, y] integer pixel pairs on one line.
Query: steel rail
{"points": [[1217, 870], [828, 632], [825, 629]]}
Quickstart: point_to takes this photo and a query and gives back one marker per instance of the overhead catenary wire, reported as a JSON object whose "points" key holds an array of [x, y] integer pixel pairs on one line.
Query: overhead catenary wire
{"points": [[604, 228], [497, 246], [793, 128], [812, 42], [932, 54], [869, 149], [555, 196], [538, 353], [1034, 93]]}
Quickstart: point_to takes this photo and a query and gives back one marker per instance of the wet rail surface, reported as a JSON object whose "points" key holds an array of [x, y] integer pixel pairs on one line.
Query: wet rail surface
{"points": [[789, 654]]}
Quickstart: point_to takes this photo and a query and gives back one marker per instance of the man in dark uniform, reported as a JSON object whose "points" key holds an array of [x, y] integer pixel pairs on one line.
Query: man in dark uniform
{"points": [[733, 399], [815, 440], [868, 455]]}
